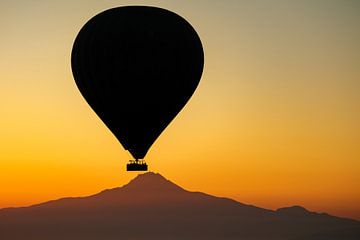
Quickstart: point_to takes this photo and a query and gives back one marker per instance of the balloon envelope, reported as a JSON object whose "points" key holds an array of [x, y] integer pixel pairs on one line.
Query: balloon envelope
{"points": [[137, 67]]}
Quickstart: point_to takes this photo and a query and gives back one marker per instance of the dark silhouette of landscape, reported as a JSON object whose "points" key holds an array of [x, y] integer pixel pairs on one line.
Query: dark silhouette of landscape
{"points": [[152, 207]]}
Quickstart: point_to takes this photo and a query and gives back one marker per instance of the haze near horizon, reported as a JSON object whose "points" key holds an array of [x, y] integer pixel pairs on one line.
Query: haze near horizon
{"points": [[153, 207]]}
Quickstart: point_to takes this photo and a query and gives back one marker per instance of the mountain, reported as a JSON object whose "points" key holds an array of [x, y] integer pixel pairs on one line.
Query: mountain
{"points": [[152, 207]]}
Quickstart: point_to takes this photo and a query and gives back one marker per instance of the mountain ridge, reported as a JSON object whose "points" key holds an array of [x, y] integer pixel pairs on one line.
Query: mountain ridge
{"points": [[167, 211]]}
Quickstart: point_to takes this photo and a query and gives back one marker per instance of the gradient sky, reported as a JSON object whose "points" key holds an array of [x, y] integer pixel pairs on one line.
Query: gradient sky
{"points": [[274, 121]]}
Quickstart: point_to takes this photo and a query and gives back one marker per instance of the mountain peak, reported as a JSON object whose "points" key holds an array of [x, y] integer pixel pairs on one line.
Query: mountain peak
{"points": [[293, 210], [151, 181], [150, 175]]}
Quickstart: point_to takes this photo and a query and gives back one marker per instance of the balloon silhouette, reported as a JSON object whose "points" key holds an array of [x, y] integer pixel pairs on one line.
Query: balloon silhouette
{"points": [[137, 67]]}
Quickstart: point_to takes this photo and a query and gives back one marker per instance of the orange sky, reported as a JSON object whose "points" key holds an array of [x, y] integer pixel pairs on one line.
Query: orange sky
{"points": [[274, 121]]}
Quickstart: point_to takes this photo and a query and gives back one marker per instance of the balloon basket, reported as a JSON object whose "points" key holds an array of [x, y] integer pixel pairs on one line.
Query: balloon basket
{"points": [[136, 165]]}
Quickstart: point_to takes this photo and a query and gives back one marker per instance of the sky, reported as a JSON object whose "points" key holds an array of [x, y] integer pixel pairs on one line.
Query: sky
{"points": [[274, 121]]}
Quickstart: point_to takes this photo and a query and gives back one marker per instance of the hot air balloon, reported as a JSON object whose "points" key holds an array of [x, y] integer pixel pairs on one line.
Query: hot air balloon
{"points": [[137, 66]]}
